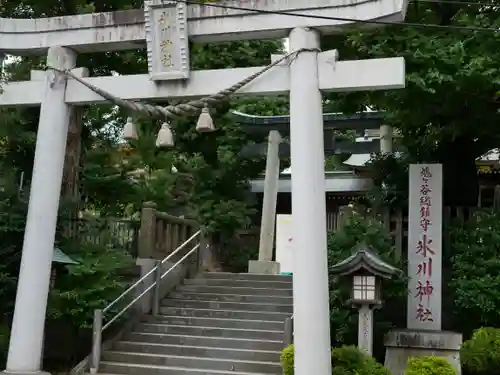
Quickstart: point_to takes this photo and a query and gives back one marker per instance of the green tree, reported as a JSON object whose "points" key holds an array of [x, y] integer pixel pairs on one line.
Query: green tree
{"points": [[448, 111], [480, 355], [97, 279], [475, 269]]}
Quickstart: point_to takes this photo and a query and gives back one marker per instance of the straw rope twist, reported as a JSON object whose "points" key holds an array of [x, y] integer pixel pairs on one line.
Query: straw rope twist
{"points": [[180, 110]]}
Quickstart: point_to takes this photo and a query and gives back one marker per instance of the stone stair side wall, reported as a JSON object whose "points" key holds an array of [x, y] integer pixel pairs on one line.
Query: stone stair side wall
{"points": [[159, 235]]}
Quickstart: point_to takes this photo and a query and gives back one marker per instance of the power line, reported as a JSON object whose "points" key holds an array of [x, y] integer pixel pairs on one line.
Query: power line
{"points": [[457, 2], [344, 19]]}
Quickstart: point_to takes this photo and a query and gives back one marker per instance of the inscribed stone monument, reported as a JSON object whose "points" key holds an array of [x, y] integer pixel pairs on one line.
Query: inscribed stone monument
{"points": [[423, 335], [425, 246]]}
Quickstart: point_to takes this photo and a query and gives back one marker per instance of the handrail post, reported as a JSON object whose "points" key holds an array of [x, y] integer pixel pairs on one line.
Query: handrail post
{"points": [[147, 231], [288, 337], [194, 266], [157, 291], [96, 341]]}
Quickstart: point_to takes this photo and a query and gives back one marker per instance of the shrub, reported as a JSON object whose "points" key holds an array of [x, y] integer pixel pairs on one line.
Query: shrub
{"points": [[286, 360], [475, 274], [429, 365], [97, 279], [481, 354], [349, 360]]}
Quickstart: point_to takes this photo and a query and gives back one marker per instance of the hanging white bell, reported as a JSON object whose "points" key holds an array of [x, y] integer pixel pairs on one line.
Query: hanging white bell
{"points": [[205, 123], [165, 138], [129, 130]]}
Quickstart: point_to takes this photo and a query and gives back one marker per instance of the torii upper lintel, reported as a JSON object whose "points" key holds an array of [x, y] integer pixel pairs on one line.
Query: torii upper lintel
{"points": [[125, 30]]}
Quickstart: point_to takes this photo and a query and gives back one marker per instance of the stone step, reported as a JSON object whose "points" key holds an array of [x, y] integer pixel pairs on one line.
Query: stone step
{"points": [[245, 276], [218, 305], [216, 322], [209, 331], [200, 296], [188, 362], [108, 368], [221, 313], [213, 342], [198, 351], [240, 283], [225, 289]]}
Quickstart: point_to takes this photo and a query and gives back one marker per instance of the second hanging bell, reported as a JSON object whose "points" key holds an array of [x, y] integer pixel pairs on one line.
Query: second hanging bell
{"points": [[165, 138], [129, 130], [205, 123]]}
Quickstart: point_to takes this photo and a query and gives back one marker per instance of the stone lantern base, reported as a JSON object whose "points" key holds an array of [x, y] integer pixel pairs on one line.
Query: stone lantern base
{"points": [[403, 344]]}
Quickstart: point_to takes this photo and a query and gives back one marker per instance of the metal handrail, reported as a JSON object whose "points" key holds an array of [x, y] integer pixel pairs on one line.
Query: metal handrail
{"points": [[120, 313], [98, 327], [138, 282]]}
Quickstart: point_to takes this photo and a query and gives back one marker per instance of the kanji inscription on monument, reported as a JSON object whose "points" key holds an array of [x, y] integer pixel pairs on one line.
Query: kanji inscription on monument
{"points": [[167, 39], [425, 246]]}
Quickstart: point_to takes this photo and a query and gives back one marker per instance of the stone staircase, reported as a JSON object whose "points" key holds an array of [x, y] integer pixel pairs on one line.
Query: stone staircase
{"points": [[215, 324]]}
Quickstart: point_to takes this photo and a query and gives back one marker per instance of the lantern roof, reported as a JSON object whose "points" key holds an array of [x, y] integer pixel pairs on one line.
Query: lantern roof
{"points": [[59, 257], [364, 258]]}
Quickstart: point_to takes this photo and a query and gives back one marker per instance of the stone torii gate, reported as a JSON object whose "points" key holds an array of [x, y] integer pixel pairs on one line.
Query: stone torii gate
{"points": [[164, 28]]}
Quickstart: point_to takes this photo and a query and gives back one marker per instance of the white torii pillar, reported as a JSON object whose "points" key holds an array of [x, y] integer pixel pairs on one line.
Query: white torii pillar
{"points": [[310, 277], [265, 262], [26, 338], [386, 135]]}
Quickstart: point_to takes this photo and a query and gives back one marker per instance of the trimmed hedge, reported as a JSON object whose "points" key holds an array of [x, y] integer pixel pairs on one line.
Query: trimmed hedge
{"points": [[349, 360], [287, 361], [346, 360], [429, 365], [481, 354]]}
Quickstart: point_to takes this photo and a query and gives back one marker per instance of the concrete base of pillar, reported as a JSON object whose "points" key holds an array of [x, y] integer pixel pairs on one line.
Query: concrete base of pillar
{"points": [[264, 267], [403, 344]]}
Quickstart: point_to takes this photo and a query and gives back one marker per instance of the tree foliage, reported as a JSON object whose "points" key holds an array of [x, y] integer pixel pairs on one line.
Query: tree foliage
{"points": [[221, 172], [429, 365], [475, 270], [99, 277], [351, 360], [346, 360], [389, 173], [12, 221], [480, 355], [204, 176], [448, 111]]}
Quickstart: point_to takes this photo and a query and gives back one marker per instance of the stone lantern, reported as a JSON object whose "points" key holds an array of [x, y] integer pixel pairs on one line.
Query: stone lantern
{"points": [[366, 271]]}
